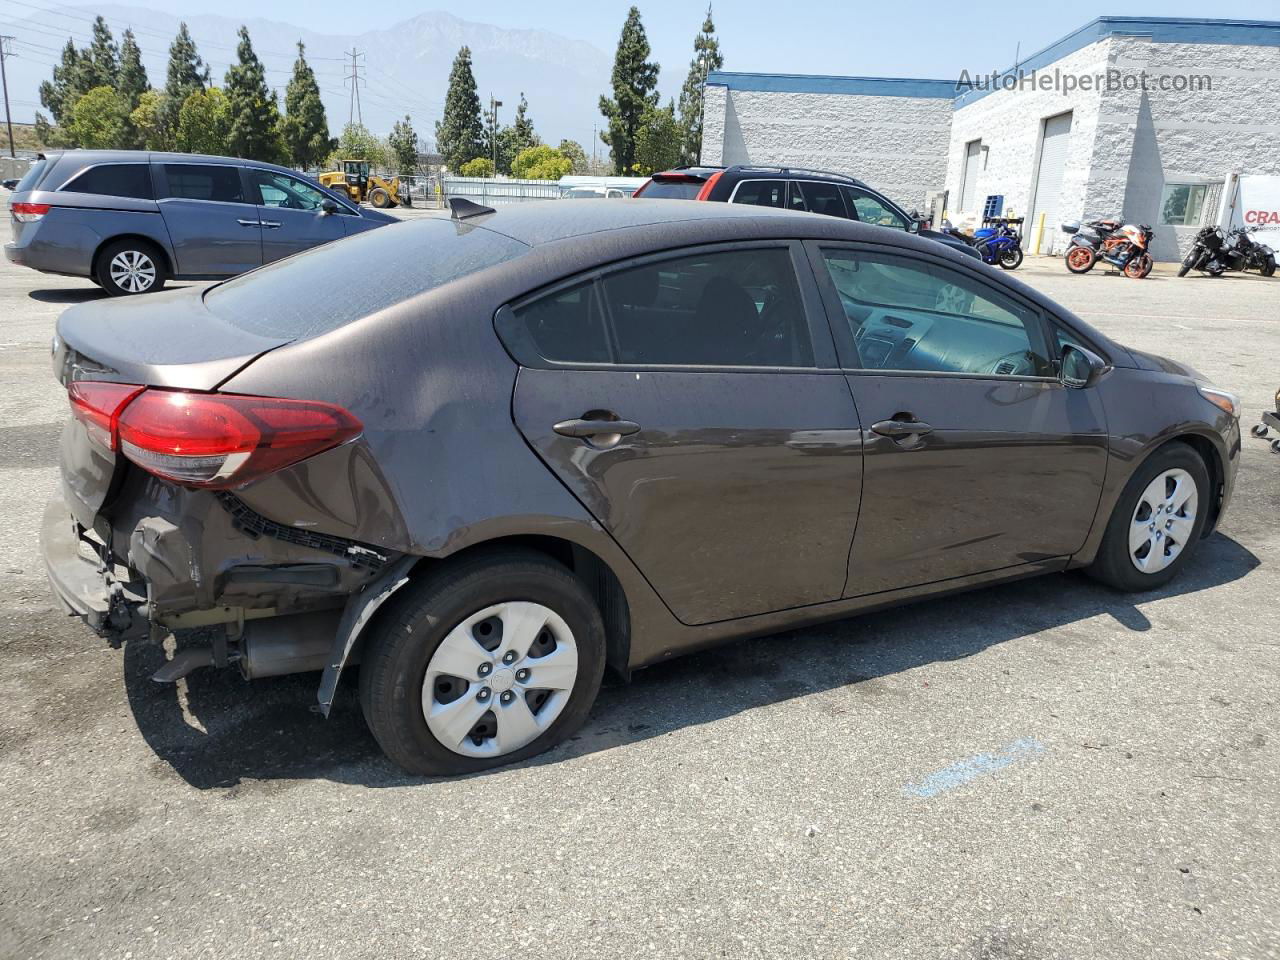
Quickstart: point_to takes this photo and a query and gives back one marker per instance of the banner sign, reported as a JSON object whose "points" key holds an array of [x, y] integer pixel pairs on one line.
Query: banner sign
{"points": [[1258, 205]]}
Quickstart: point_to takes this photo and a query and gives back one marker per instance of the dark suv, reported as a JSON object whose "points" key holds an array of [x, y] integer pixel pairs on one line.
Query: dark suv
{"points": [[792, 188]]}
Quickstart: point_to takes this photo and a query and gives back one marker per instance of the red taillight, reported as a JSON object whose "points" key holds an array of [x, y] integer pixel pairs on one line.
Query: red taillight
{"points": [[97, 405], [705, 192], [29, 212]]}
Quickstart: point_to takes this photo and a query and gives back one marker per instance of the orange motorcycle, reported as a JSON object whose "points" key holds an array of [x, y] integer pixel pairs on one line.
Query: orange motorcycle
{"points": [[1122, 245]]}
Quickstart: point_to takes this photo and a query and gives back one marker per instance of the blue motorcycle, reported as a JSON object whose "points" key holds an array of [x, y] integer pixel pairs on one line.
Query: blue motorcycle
{"points": [[997, 242]]}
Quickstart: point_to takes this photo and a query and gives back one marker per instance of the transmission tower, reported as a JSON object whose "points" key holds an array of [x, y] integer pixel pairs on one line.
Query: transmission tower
{"points": [[355, 78]]}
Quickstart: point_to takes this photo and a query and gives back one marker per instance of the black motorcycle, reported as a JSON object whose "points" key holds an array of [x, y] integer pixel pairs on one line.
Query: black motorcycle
{"points": [[1214, 252]]}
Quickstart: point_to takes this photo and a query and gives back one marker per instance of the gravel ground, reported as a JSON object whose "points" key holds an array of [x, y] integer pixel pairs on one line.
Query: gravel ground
{"points": [[1041, 770]]}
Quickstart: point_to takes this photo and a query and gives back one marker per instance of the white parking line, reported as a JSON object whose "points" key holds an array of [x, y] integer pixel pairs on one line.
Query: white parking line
{"points": [[1165, 316]]}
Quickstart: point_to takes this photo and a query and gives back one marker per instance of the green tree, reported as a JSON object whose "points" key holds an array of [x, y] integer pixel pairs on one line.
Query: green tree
{"points": [[357, 143], [99, 120], [460, 134], [67, 85], [634, 81], [186, 74], [706, 57], [657, 141], [577, 156], [132, 83], [541, 163], [305, 128], [204, 123], [523, 135], [402, 146], [477, 167], [101, 61], [255, 117], [147, 121]]}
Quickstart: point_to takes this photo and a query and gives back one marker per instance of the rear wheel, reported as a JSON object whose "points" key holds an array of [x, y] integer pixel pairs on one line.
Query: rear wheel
{"points": [[128, 267], [1269, 267], [1011, 259], [1157, 521], [1081, 259], [491, 661], [379, 198], [1138, 267]]}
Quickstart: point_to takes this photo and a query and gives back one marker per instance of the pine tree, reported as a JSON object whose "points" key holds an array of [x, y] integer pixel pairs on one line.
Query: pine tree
{"points": [[523, 135], [460, 136], [402, 144], [706, 57], [255, 117], [187, 74], [101, 61], [67, 85], [305, 128], [133, 82], [634, 81]]}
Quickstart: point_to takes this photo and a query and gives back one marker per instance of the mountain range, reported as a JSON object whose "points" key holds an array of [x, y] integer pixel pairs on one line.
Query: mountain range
{"points": [[404, 68]]}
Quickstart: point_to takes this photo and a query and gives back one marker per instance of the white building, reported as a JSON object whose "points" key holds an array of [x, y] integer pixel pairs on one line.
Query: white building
{"points": [[1151, 119]]}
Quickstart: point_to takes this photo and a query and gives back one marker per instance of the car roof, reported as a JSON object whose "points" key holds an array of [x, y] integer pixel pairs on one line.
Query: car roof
{"points": [[775, 171], [157, 156]]}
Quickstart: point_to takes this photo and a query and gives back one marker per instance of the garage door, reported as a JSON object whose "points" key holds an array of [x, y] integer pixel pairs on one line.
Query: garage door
{"points": [[969, 180], [1053, 160]]}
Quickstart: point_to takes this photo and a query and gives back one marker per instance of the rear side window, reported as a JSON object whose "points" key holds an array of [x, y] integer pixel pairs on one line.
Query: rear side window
{"points": [[567, 326], [203, 181], [671, 190], [817, 197], [736, 308], [762, 193], [329, 286], [114, 180], [32, 176]]}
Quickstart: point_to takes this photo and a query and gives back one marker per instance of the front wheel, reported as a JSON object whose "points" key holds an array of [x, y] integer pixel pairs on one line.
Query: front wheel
{"points": [[126, 268], [1190, 261], [1080, 259], [486, 662], [1138, 267], [1157, 522], [1011, 259]]}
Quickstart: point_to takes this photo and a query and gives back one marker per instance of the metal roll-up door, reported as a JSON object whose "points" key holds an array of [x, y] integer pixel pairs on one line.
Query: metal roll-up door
{"points": [[969, 181], [1053, 161]]}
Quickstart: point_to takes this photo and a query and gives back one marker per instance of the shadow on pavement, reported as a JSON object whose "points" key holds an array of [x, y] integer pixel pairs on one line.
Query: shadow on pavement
{"points": [[218, 730], [61, 295]]}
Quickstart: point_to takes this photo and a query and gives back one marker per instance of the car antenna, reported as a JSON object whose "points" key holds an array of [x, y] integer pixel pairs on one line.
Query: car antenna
{"points": [[466, 209]]}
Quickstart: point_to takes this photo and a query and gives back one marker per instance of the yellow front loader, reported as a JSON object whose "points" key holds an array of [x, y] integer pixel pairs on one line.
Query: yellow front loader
{"points": [[361, 184]]}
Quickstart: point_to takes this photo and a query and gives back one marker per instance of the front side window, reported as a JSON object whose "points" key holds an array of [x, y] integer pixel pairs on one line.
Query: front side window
{"points": [[762, 193], [203, 181], [817, 197], [871, 209], [114, 180], [280, 190], [733, 308], [913, 315], [1182, 203]]}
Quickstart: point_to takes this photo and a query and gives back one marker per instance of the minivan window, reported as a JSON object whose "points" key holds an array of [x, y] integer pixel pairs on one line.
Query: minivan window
{"points": [[32, 176], [871, 209], [733, 308], [281, 190], [319, 290], [203, 181], [567, 326], [114, 180], [762, 193], [908, 314], [817, 197]]}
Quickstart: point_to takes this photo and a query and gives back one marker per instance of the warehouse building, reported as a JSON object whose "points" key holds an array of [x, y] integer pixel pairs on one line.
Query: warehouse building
{"points": [[1156, 120]]}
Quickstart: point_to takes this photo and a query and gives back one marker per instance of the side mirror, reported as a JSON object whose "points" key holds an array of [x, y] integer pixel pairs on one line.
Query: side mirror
{"points": [[1080, 368], [328, 207]]}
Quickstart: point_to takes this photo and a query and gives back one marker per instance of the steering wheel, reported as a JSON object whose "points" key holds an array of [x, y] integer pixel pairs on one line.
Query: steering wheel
{"points": [[1022, 365]]}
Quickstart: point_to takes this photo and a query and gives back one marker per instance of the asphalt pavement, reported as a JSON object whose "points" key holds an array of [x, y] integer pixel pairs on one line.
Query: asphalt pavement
{"points": [[1042, 770]]}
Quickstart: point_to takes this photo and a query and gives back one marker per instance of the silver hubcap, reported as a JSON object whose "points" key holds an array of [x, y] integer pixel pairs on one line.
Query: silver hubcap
{"points": [[499, 679], [133, 271], [1163, 521]]}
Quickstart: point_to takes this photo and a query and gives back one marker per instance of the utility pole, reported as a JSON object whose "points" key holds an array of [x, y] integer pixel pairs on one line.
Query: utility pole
{"points": [[4, 81], [493, 127], [355, 79]]}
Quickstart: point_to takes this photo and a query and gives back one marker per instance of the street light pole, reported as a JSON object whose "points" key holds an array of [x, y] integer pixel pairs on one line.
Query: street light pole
{"points": [[493, 127]]}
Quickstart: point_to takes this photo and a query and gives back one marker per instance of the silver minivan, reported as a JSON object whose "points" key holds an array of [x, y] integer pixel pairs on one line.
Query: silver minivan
{"points": [[131, 220]]}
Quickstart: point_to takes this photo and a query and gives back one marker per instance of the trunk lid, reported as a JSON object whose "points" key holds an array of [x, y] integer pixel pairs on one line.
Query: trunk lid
{"points": [[163, 339]]}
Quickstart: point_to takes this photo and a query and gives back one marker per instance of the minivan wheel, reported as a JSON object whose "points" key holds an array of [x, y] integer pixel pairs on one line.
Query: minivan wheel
{"points": [[1157, 523], [488, 661], [129, 267]]}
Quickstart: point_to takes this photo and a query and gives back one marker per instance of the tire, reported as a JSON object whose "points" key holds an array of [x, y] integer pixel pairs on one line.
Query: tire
{"points": [[379, 198], [432, 615], [1260, 430], [1269, 268], [1011, 259], [1080, 259], [1275, 446], [1115, 564], [127, 268], [1189, 261], [1139, 267]]}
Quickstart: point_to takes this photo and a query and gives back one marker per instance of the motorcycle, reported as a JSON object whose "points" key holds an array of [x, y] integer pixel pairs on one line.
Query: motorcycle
{"points": [[1214, 252], [997, 242], [1122, 245]]}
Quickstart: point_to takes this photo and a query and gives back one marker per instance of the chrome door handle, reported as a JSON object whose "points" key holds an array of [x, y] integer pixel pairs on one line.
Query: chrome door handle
{"points": [[901, 428], [249, 223], [271, 224], [585, 429]]}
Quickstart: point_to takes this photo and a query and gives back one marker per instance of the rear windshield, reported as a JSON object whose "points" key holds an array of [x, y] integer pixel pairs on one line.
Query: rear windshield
{"points": [[32, 176], [671, 190], [329, 286]]}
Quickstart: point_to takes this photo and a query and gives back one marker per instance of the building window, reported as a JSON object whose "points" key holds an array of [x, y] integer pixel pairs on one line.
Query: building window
{"points": [[1182, 204]]}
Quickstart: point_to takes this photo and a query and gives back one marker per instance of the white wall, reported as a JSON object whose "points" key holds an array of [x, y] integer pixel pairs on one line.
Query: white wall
{"points": [[895, 144]]}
